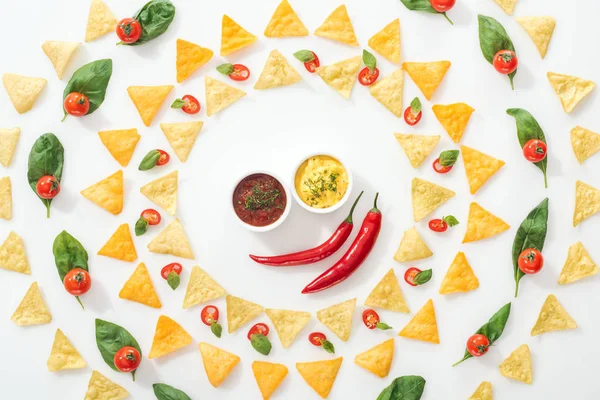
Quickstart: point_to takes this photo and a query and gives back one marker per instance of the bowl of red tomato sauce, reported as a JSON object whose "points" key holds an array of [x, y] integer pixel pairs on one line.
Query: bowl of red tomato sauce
{"points": [[260, 201]]}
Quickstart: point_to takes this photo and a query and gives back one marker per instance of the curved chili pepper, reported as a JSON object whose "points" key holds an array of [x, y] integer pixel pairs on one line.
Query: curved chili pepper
{"points": [[315, 254], [355, 255]]}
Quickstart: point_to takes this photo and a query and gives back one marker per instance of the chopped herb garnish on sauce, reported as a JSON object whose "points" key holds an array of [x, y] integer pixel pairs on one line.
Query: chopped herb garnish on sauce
{"points": [[261, 200]]}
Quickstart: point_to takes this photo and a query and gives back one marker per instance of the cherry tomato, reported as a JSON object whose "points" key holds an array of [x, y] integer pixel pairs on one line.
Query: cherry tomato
{"points": [[127, 359], [312, 65], [76, 104], [505, 62], [535, 150], [438, 225], [367, 77], [164, 158], [370, 318], [442, 5], [240, 72], [478, 345], [173, 267], [410, 274], [317, 338], [192, 105], [530, 261], [439, 168], [410, 118], [77, 281], [47, 187], [152, 216], [129, 30], [258, 328], [209, 315]]}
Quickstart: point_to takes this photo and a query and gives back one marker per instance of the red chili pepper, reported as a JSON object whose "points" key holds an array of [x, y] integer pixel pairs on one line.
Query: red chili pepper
{"points": [[355, 255], [315, 254]]}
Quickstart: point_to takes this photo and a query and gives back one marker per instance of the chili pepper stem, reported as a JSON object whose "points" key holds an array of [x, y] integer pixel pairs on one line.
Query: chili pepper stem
{"points": [[349, 218], [449, 20], [375, 209]]}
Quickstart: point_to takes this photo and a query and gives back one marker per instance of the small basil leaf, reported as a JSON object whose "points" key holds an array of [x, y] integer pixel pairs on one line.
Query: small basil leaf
{"points": [[110, 338], [369, 60], [155, 18], [173, 280], [163, 391], [423, 277], [415, 106], [141, 226], [216, 329], [68, 254], [424, 6], [328, 346], [492, 39], [91, 80], [261, 343], [450, 220], [409, 387], [178, 103], [448, 158], [149, 161], [225, 69], [304, 55], [46, 157], [383, 326]]}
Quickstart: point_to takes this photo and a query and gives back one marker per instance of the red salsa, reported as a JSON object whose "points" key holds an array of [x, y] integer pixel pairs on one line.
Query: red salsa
{"points": [[259, 200]]}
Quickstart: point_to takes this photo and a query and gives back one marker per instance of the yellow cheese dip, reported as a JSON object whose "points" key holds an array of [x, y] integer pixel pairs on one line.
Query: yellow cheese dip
{"points": [[321, 181]]}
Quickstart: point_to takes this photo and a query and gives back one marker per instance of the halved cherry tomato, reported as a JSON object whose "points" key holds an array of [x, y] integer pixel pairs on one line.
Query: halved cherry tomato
{"points": [[129, 30], [240, 72], [76, 104], [312, 65], [505, 61], [530, 261], [47, 187], [317, 338], [410, 118], [173, 267], [192, 105], [152, 216], [410, 274], [77, 281], [442, 5], [535, 150], [438, 225], [366, 77], [127, 359], [478, 345], [371, 320], [209, 315], [164, 158], [258, 328], [439, 168]]}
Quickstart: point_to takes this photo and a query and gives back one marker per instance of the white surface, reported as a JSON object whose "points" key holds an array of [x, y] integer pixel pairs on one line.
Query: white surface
{"points": [[273, 130]]}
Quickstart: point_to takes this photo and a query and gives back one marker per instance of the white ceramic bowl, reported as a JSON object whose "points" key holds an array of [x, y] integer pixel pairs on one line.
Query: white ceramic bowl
{"points": [[336, 206], [286, 212]]}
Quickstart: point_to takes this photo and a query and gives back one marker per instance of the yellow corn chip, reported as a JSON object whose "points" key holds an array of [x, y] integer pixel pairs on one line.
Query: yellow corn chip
{"points": [[120, 144], [220, 95], [101, 388], [182, 136], [190, 57], [585, 143], [201, 288], [423, 326], [288, 324], [507, 5], [570, 89], [342, 75], [13, 256], [320, 375], [59, 54], [100, 21], [587, 202], [234, 37], [148, 99], [518, 365], [8, 144], [32, 310], [108, 193], [120, 245], [338, 27], [338, 318], [276, 73], [387, 294], [172, 240], [268, 377], [168, 337], [427, 75], [483, 392], [5, 198], [388, 91], [378, 359], [479, 167], [460, 277], [217, 363], [387, 41], [579, 265], [427, 197], [553, 317], [454, 118], [482, 224], [412, 247], [240, 312], [285, 22], [163, 192], [23, 91], [139, 288], [540, 30], [417, 147], [64, 355]]}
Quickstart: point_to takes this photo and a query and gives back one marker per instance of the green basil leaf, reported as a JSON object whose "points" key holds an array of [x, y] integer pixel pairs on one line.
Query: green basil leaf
{"points": [[383, 326], [68, 254], [141, 226], [423, 277], [423, 6], [448, 158], [450, 220], [527, 129], [304, 55], [261, 343], [225, 69], [45, 158], [492, 39], [110, 338], [91, 80], [415, 106], [328, 346], [173, 280], [408, 387], [149, 161], [155, 18], [163, 391], [369, 60], [178, 103], [216, 329]]}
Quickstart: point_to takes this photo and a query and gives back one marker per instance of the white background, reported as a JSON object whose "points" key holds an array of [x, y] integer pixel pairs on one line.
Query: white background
{"points": [[274, 130]]}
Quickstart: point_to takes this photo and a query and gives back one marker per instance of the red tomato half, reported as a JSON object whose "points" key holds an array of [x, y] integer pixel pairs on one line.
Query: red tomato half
{"points": [[410, 118], [192, 105], [77, 281], [129, 30], [535, 150], [209, 315], [439, 168], [312, 65], [76, 104], [317, 338], [164, 157], [505, 62], [47, 187], [530, 261], [410, 275], [370, 318], [478, 345], [438, 225], [367, 77], [442, 5], [240, 72], [127, 359], [173, 267], [258, 328], [152, 216]]}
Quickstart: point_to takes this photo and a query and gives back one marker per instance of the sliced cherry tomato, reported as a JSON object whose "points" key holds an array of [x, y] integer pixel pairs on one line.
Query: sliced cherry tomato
{"points": [[530, 261], [442, 5], [129, 30], [438, 225], [312, 65], [152, 216], [535, 150], [77, 281], [410, 274], [192, 105], [258, 328], [439, 168], [505, 61], [478, 345], [410, 118], [127, 359], [366, 77], [164, 158], [173, 267], [370, 318], [47, 187], [240, 72], [209, 315], [76, 104], [317, 338]]}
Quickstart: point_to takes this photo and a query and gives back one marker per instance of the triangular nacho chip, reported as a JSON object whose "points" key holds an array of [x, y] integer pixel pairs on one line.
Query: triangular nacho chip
{"points": [[427, 197], [585, 143], [182, 136], [320, 375], [553, 317], [587, 202], [338, 318], [518, 365], [417, 147], [100, 21], [341, 76], [190, 57], [454, 118], [23, 91], [482, 224], [423, 326], [277, 72], [388, 91], [288, 324], [220, 95], [540, 30], [570, 89], [172, 240], [479, 167], [338, 27], [412, 247], [108, 193], [32, 310], [234, 37], [101, 388], [148, 99], [378, 359], [285, 22], [579, 265], [5, 198], [240, 312], [59, 54], [64, 355], [120, 144], [8, 144], [507, 5], [387, 41], [163, 192], [268, 376], [218, 363], [460, 276], [169, 336], [427, 75], [483, 392], [13, 256], [139, 288], [120, 245], [201, 288], [387, 294]]}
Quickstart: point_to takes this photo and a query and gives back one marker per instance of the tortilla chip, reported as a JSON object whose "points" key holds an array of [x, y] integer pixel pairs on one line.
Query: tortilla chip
{"points": [[190, 57], [540, 30], [59, 54], [417, 147], [338, 318], [139, 288], [579, 265], [378, 359], [423, 326], [387, 41], [148, 99], [217, 363], [553, 317], [8, 144], [482, 224], [268, 376], [182, 136], [460, 277], [201, 288], [23, 91], [387, 294], [120, 144], [168, 337], [585, 143], [240, 312], [320, 375], [427, 75], [342, 75], [518, 365], [120, 245], [338, 27], [13, 256], [220, 95], [388, 91], [163, 192], [507, 5], [64, 355], [479, 167], [234, 37], [288, 324], [172, 240], [5, 198], [276, 73], [483, 392], [101, 388], [454, 118], [32, 310], [427, 197], [412, 247], [570, 89], [108, 193], [285, 22], [587, 202], [100, 21]]}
